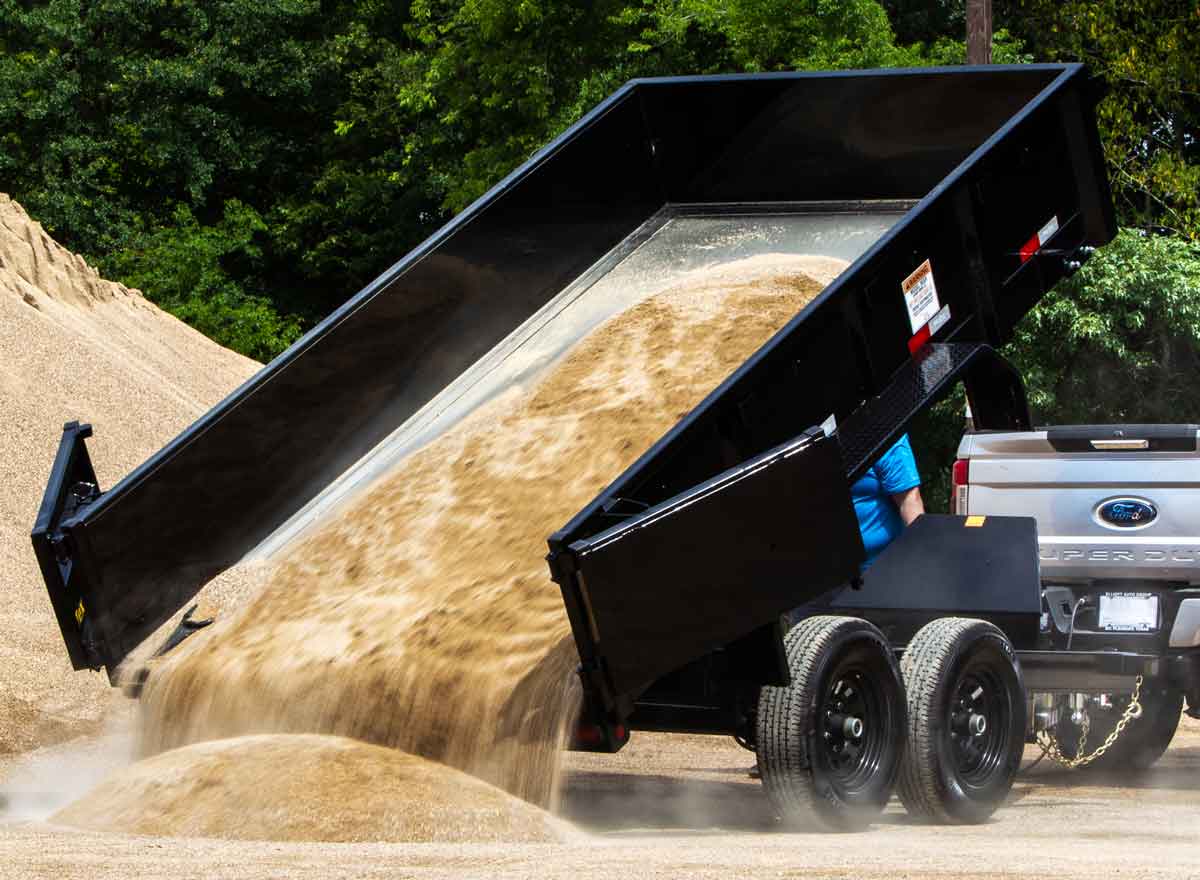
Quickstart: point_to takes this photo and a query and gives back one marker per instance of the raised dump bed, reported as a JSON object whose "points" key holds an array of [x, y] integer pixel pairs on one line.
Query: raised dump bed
{"points": [[958, 196]]}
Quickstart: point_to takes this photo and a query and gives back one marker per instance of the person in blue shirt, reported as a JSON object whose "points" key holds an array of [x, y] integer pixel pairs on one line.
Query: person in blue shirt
{"points": [[887, 498]]}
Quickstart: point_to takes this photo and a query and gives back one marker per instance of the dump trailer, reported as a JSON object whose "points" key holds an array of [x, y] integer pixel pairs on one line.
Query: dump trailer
{"points": [[957, 196]]}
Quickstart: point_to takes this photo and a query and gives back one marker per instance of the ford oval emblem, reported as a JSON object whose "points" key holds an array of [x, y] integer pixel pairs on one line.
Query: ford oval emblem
{"points": [[1127, 513]]}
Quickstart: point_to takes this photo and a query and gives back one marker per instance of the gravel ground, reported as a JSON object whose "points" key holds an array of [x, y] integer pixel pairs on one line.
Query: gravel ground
{"points": [[680, 806]]}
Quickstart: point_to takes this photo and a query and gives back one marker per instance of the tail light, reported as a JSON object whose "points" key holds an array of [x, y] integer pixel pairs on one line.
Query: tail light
{"points": [[960, 478]]}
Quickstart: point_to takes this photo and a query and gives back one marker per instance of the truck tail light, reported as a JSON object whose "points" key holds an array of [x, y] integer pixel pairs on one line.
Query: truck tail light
{"points": [[960, 478]]}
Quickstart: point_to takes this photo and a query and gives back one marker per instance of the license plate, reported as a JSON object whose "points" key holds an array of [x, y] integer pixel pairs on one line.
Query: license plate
{"points": [[1128, 612]]}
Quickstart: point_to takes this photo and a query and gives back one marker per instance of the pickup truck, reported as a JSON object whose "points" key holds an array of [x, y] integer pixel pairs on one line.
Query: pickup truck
{"points": [[1118, 522]]}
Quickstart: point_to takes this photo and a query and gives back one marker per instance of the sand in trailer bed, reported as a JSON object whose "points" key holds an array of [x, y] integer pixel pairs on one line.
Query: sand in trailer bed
{"points": [[74, 346], [420, 615]]}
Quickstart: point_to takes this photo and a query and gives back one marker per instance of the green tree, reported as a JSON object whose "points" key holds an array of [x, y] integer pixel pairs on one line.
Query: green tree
{"points": [[1121, 338], [120, 119], [185, 268], [1148, 54], [114, 111], [478, 87]]}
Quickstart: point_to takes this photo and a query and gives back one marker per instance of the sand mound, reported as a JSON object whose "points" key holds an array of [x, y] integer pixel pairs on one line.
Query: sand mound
{"points": [[320, 788], [74, 346], [421, 615]]}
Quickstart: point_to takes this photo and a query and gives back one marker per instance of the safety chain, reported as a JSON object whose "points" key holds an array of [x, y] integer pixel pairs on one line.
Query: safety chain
{"points": [[1049, 742]]}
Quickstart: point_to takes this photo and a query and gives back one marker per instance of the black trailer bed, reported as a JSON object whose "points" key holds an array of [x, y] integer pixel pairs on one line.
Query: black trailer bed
{"points": [[972, 163]]}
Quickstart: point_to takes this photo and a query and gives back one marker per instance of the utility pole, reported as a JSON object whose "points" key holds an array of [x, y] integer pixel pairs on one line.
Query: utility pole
{"points": [[979, 31]]}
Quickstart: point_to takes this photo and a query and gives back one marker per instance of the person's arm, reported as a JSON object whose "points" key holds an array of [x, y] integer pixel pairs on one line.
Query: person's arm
{"points": [[910, 504], [900, 479]]}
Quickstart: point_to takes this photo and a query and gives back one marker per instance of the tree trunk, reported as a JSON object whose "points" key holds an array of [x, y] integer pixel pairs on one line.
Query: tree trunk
{"points": [[979, 31]]}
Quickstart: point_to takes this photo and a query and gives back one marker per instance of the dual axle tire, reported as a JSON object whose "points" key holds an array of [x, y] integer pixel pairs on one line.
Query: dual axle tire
{"points": [[830, 743], [966, 721]]}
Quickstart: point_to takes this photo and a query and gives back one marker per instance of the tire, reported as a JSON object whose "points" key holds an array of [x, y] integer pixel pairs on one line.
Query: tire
{"points": [[1144, 739], [817, 765], [957, 671]]}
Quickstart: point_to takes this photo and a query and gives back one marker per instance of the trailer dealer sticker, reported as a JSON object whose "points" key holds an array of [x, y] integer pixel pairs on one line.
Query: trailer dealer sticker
{"points": [[920, 295]]}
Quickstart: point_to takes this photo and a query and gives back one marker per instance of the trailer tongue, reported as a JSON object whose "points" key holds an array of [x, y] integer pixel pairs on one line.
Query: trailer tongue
{"points": [[959, 196]]}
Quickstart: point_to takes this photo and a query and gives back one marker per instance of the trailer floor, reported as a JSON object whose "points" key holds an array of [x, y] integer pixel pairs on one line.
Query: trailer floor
{"points": [[673, 806]]}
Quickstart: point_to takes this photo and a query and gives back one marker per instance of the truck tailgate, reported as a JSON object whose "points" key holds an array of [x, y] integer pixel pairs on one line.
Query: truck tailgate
{"points": [[1107, 506]]}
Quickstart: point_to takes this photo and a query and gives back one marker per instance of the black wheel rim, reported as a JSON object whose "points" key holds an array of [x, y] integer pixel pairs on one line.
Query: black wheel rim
{"points": [[979, 717], [852, 726]]}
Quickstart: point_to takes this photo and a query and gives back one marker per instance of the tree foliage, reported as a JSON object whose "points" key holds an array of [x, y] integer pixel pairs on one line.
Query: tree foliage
{"points": [[188, 269], [1121, 337], [1148, 53], [127, 125]]}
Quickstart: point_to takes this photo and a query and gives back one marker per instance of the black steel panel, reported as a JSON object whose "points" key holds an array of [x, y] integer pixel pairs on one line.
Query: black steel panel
{"points": [[698, 572], [953, 566], [853, 135], [998, 402]]}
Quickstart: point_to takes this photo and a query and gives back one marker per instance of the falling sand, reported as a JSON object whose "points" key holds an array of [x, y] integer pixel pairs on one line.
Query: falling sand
{"points": [[420, 615]]}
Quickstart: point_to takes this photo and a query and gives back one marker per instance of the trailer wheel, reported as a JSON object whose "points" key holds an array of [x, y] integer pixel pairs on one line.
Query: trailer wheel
{"points": [[829, 744], [966, 721]]}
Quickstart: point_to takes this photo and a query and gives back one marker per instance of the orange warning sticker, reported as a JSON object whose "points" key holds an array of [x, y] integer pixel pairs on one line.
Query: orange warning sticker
{"points": [[920, 296]]}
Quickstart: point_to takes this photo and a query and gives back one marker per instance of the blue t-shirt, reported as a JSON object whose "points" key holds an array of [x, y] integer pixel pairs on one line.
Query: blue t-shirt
{"points": [[878, 517]]}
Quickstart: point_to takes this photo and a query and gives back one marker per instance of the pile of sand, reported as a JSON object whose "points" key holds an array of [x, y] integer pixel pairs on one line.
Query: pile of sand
{"points": [[420, 615], [74, 346], [304, 787]]}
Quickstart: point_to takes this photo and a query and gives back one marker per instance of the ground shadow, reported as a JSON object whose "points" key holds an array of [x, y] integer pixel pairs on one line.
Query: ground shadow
{"points": [[616, 802], [1178, 770], [633, 802]]}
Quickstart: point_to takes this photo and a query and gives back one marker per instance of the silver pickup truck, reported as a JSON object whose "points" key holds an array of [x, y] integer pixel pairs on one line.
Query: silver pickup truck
{"points": [[1118, 517]]}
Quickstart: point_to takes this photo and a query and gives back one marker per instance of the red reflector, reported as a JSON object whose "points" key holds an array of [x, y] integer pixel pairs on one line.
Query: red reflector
{"points": [[920, 339], [588, 734], [1030, 247], [961, 475]]}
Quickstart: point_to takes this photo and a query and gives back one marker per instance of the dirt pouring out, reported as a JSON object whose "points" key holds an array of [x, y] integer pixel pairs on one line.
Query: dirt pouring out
{"points": [[405, 668], [420, 615]]}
